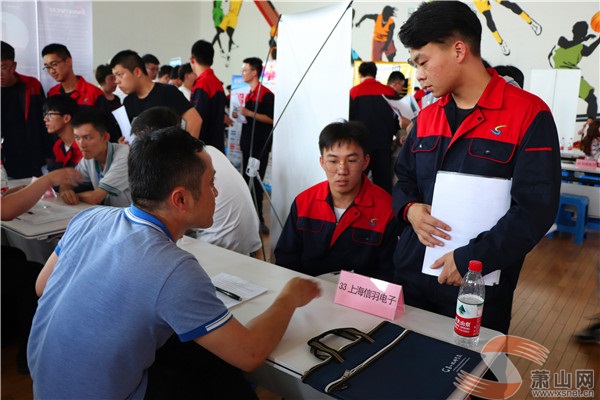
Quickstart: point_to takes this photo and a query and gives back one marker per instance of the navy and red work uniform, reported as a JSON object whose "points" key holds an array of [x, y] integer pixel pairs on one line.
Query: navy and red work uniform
{"points": [[87, 95], [208, 97], [509, 134], [261, 137], [363, 240], [65, 158], [368, 107], [26, 143]]}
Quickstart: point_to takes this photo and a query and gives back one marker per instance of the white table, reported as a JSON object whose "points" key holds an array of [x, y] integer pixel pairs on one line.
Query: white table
{"points": [[38, 240], [291, 358]]}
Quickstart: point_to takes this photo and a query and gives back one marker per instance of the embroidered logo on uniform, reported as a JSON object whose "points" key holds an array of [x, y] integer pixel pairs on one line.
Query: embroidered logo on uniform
{"points": [[372, 221], [496, 131]]}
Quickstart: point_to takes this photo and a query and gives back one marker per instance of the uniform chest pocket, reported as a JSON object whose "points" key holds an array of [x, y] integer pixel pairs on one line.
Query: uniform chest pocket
{"points": [[310, 224], [491, 150], [425, 144], [427, 153], [365, 236]]}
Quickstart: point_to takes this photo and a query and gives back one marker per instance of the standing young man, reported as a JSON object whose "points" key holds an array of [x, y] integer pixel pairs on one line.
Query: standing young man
{"points": [[59, 64], [142, 93], [104, 164], [58, 112], [481, 126], [118, 286], [256, 138], [368, 106], [26, 147], [208, 96], [345, 222]]}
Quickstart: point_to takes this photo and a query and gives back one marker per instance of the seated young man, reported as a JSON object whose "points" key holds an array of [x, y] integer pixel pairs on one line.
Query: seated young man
{"points": [[346, 222], [104, 164], [106, 307], [59, 110]]}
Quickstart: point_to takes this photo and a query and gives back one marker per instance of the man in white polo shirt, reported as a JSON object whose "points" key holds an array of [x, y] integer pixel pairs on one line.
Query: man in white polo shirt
{"points": [[104, 164]]}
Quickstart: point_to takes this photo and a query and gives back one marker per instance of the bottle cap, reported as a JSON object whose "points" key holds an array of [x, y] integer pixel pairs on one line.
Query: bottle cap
{"points": [[475, 266]]}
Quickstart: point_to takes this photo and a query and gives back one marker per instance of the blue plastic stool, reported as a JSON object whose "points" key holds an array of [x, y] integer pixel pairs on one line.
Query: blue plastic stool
{"points": [[574, 218]]}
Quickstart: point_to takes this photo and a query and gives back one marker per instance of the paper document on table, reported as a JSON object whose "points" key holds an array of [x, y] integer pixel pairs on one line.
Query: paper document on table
{"points": [[236, 287], [470, 204], [48, 211]]}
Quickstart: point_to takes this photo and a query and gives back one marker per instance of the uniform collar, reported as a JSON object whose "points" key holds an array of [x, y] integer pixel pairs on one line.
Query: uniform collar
{"points": [[139, 216], [364, 198], [491, 98]]}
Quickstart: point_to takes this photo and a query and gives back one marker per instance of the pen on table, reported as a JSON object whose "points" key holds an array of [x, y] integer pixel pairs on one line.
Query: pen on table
{"points": [[228, 294]]}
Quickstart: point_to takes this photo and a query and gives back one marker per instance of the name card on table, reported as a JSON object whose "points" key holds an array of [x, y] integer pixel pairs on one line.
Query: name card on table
{"points": [[586, 164], [370, 295]]}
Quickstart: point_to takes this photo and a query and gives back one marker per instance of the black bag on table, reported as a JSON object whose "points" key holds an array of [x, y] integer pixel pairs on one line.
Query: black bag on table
{"points": [[389, 362]]}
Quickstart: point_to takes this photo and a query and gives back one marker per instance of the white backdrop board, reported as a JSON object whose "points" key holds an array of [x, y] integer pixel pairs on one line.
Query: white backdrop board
{"points": [[318, 97], [559, 88]]}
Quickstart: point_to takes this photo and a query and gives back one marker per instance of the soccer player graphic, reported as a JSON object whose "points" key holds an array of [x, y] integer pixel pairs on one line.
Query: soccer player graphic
{"points": [[567, 54], [383, 33], [227, 24], [484, 7]]}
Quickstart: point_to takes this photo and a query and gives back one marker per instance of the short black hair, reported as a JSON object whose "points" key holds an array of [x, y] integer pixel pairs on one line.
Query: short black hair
{"points": [[184, 70], [344, 132], [61, 103], [368, 68], [154, 118], [203, 52], [56, 48], [256, 64], [395, 76], [129, 60], [8, 52], [513, 72], [165, 70], [91, 115], [175, 72], [102, 71], [162, 160], [150, 59], [437, 21]]}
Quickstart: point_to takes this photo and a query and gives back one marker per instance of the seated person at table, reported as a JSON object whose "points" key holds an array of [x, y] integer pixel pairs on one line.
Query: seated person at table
{"points": [[590, 144], [106, 307], [235, 223], [58, 112], [346, 222], [104, 164]]}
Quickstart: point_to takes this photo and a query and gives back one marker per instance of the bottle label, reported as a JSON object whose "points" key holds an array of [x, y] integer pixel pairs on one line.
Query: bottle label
{"points": [[468, 316]]}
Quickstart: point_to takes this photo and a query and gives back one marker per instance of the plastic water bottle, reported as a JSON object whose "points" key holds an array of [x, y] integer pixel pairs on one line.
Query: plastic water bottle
{"points": [[469, 306], [4, 185]]}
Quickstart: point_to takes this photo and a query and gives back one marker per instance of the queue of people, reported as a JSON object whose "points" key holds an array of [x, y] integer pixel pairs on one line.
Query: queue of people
{"points": [[167, 183]]}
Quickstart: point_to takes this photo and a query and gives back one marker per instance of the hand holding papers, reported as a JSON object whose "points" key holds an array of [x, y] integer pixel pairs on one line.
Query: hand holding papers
{"points": [[470, 204], [123, 121], [233, 290]]}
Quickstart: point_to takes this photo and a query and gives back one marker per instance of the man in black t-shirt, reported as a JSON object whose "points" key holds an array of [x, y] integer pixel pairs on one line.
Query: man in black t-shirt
{"points": [[142, 93]]}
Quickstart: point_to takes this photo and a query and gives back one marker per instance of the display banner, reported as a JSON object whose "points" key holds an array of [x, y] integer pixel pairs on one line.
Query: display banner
{"points": [[320, 96]]}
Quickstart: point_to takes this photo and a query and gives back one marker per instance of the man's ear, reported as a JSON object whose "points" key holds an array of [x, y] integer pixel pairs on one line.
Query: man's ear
{"points": [[460, 49], [106, 136], [67, 118], [177, 198], [367, 161], [137, 72]]}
